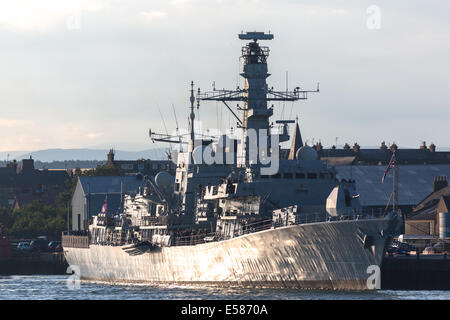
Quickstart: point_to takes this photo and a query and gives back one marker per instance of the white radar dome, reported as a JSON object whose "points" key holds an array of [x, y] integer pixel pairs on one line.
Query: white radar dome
{"points": [[306, 153]]}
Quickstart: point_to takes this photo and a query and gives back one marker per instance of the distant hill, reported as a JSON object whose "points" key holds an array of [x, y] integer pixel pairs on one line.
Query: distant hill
{"points": [[9, 155], [50, 155]]}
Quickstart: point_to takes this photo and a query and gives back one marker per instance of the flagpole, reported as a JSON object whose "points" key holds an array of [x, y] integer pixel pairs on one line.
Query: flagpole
{"points": [[394, 194], [88, 211], [121, 196], [395, 184], [68, 217]]}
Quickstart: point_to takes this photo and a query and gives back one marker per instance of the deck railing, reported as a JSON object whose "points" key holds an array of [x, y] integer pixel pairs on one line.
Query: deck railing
{"points": [[75, 241], [266, 225], [82, 240]]}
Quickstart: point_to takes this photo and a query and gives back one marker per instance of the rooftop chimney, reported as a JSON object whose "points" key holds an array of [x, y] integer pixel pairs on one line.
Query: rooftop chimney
{"points": [[394, 147], [432, 147], [12, 165], [318, 146], [110, 161], [28, 165], [439, 183]]}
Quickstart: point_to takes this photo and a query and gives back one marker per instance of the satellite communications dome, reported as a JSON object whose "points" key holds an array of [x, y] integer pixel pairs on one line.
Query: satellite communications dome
{"points": [[306, 153], [163, 179]]}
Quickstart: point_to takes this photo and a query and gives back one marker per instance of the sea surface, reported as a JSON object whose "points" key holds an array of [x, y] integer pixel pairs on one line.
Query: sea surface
{"points": [[56, 288]]}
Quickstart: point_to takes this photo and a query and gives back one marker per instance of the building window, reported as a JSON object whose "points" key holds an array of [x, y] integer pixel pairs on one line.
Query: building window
{"points": [[277, 176], [312, 175], [288, 175], [300, 175]]}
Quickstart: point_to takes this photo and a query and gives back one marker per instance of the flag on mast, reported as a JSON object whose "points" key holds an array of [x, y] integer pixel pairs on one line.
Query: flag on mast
{"points": [[390, 165], [105, 205]]}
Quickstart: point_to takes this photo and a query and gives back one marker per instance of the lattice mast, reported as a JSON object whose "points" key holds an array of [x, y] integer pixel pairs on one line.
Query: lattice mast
{"points": [[255, 94]]}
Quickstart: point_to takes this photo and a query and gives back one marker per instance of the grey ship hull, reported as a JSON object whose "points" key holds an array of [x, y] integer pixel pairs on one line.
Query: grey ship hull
{"points": [[326, 255]]}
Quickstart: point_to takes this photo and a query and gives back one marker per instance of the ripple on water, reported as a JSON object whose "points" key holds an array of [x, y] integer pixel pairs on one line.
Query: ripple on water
{"points": [[55, 287]]}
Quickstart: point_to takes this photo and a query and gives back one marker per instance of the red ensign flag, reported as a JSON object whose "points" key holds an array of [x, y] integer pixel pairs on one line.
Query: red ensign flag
{"points": [[390, 165]]}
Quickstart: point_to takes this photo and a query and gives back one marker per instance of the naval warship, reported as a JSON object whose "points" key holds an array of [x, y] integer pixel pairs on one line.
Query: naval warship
{"points": [[237, 213]]}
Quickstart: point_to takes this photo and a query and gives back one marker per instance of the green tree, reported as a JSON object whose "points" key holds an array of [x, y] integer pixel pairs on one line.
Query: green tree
{"points": [[36, 219]]}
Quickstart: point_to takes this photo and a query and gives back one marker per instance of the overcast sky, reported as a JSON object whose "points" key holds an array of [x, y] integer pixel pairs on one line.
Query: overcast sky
{"points": [[93, 73]]}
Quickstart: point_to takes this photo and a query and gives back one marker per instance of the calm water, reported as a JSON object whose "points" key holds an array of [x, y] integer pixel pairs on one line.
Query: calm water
{"points": [[55, 287]]}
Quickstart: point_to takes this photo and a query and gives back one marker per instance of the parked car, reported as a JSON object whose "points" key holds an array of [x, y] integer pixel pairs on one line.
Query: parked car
{"points": [[40, 243], [27, 246], [22, 244], [439, 247], [397, 247], [59, 248], [52, 245], [429, 250]]}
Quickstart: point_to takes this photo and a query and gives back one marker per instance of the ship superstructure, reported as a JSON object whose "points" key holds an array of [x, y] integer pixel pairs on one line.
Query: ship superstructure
{"points": [[235, 211]]}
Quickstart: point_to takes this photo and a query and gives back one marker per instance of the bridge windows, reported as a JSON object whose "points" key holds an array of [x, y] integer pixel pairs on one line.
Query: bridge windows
{"points": [[299, 175], [312, 175]]}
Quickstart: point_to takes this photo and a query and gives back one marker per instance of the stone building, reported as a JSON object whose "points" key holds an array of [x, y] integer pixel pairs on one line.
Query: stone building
{"points": [[144, 166], [424, 220], [21, 184]]}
